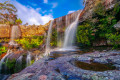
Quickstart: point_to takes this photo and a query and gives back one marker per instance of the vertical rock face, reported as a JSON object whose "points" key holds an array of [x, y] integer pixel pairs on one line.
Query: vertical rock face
{"points": [[30, 30], [63, 21], [90, 4], [4, 31]]}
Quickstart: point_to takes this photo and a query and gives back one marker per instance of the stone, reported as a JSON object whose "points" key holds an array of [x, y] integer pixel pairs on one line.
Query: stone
{"points": [[117, 26], [43, 77]]}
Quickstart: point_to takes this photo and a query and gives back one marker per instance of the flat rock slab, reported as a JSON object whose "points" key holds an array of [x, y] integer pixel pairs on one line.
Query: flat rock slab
{"points": [[61, 68]]}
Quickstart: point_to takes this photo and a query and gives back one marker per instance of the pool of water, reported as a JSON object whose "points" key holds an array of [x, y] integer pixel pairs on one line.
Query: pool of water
{"points": [[93, 66], [56, 54]]}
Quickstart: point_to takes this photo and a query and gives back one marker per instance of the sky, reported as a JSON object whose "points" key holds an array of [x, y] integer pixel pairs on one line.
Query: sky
{"points": [[42, 11]]}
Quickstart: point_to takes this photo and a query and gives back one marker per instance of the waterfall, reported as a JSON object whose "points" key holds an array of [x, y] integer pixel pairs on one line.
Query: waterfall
{"points": [[48, 38], [19, 63], [67, 20], [70, 34], [3, 59], [28, 59], [15, 33]]}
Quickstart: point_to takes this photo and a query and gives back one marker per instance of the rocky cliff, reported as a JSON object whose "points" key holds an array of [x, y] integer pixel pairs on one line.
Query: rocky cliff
{"points": [[90, 5], [30, 30]]}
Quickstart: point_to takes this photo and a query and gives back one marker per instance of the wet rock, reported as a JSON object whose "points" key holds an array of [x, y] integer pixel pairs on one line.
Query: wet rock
{"points": [[61, 68], [117, 26], [43, 77]]}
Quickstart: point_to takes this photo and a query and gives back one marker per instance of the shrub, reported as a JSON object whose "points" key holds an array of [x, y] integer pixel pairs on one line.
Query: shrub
{"points": [[114, 39], [3, 49], [29, 43], [100, 26], [84, 33], [18, 21]]}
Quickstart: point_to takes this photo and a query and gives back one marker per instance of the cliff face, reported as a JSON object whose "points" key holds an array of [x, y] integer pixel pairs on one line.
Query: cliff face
{"points": [[90, 5], [30, 30], [27, 31], [61, 22], [4, 31]]}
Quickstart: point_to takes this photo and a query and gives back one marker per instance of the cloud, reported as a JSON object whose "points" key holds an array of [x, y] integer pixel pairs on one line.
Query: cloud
{"points": [[71, 12], [54, 5], [30, 15], [38, 9], [44, 11], [46, 1]]}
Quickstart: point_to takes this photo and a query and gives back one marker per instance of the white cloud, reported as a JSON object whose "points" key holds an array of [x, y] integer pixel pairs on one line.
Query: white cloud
{"points": [[38, 9], [46, 1], [30, 15], [71, 12], [44, 11], [54, 5]]}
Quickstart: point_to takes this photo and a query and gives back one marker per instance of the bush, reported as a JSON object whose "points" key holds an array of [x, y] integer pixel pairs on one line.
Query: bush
{"points": [[114, 39], [18, 21], [3, 49], [29, 43], [100, 26], [84, 34]]}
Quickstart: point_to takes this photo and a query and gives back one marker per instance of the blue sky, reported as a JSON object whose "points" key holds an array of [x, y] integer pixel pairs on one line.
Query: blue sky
{"points": [[41, 11]]}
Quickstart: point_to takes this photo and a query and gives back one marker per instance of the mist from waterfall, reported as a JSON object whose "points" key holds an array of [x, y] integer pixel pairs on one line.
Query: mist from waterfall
{"points": [[70, 32], [48, 38]]}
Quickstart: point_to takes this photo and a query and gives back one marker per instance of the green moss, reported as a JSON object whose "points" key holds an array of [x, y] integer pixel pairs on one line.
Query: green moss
{"points": [[10, 63], [32, 61]]}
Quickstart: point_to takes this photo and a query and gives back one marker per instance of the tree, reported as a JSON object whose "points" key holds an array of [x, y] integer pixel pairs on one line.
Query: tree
{"points": [[18, 21], [7, 12]]}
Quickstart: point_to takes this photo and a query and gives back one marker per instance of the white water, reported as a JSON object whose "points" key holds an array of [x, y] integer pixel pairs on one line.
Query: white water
{"points": [[28, 59], [48, 38], [19, 63], [15, 33], [19, 60], [70, 34], [3, 59]]}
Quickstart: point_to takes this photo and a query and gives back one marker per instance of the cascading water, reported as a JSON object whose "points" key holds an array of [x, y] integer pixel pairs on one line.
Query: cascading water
{"points": [[3, 59], [19, 63], [15, 33], [48, 38], [70, 34], [28, 59]]}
